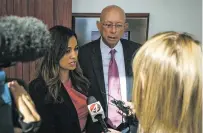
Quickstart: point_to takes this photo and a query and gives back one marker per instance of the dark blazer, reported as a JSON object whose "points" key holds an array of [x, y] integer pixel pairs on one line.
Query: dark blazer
{"points": [[90, 60], [56, 117]]}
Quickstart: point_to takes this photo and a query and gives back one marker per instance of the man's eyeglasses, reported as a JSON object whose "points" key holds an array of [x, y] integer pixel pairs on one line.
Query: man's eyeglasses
{"points": [[110, 25]]}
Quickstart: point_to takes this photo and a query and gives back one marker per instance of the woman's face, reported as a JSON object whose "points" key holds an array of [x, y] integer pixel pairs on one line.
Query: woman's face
{"points": [[69, 60]]}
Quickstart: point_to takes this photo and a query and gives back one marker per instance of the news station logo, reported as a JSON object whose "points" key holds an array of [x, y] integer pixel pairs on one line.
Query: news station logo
{"points": [[95, 108]]}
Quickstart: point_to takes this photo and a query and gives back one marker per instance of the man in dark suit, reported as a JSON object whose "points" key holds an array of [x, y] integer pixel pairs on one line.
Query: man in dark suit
{"points": [[99, 63]]}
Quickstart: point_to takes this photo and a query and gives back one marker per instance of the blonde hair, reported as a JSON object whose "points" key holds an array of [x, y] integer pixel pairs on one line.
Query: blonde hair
{"points": [[167, 84]]}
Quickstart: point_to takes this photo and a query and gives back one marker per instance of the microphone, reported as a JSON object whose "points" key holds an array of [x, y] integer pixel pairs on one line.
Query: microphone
{"points": [[130, 118], [22, 39], [119, 104], [96, 112]]}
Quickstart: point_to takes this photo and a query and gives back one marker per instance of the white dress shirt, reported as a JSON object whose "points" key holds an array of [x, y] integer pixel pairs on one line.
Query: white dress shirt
{"points": [[119, 57]]}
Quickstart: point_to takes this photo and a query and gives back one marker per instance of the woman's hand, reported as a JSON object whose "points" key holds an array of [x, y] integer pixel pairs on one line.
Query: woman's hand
{"points": [[24, 102], [131, 106]]}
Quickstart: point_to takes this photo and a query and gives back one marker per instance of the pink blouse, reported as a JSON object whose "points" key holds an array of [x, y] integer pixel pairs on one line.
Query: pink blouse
{"points": [[80, 102]]}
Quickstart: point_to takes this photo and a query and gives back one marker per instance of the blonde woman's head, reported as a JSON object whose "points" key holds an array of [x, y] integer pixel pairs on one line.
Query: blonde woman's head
{"points": [[167, 85]]}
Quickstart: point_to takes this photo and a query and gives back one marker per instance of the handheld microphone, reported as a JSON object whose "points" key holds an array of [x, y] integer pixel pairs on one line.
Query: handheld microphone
{"points": [[22, 39], [121, 106], [96, 112], [130, 118]]}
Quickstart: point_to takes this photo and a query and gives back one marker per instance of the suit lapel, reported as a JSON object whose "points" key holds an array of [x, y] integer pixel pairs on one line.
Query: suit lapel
{"points": [[98, 68], [128, 69]]}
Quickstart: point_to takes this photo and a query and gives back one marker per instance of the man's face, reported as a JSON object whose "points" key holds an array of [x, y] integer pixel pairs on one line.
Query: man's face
{"points": [[112, 27]]}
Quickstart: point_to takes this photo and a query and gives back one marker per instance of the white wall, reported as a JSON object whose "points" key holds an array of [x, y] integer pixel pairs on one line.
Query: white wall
{"points": [[178, 15]]}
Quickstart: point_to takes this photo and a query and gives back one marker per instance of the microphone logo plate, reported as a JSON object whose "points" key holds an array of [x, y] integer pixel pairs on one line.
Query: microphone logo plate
{"points": [[95, 108]]}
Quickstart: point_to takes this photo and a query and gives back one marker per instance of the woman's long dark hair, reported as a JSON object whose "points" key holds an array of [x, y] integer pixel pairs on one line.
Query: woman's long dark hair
{"points": [[50, 69]]}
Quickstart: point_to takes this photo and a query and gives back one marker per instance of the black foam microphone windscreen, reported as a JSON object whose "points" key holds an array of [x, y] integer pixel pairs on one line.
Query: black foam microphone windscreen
{"points": [[23, 39]]}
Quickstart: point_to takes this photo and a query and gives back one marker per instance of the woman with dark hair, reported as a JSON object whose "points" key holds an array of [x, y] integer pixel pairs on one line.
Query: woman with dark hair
{"points": [[60, 89]]}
